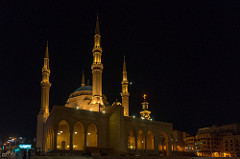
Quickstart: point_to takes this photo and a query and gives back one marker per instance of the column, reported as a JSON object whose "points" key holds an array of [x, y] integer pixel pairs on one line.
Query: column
{"points": [[85, 141], [98, 143], [146, 151], [71, 138], [156, 142], [55, 140], [136, 141]]}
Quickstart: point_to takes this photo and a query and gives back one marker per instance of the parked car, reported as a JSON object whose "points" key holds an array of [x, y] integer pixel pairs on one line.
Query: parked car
{"points": [[4, 155]]}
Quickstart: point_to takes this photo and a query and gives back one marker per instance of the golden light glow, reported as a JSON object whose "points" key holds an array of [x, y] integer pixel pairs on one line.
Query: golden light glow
{"points": [[131, 140], [78, 137], [163, 146], [144, 96], [63, 138], [92, 137], [226, 154], [141, 140], [150, 141]]}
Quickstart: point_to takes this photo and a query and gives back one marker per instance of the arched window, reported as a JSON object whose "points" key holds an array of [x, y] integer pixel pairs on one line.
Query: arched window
{"points": [[78, 136], [141, 140], [63, 135], [92, 138], [163, 144], [150, 141], [131, 140]]}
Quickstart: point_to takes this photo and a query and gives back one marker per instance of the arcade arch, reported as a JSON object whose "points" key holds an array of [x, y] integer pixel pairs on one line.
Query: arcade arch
{"points": [[163, 146], [78, 136], [150, 140], [131, 140], [92, 136], [63, 135], [141, 140]]}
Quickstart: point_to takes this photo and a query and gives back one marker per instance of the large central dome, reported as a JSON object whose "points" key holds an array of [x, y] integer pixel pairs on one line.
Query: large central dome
{"points": [[84, 88], [81, 98]]}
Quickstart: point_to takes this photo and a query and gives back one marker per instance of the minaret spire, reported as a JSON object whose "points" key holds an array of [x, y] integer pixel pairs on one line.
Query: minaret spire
{"points": [[45, 84], [44, 110], [97, 37], [46, 53], [83, 79], [97, 69], [97, 29], [125, 94]]}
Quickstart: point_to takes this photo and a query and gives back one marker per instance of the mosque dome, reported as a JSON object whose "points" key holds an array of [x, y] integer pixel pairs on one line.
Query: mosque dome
{"points": [[81, 98], [84, 88]]}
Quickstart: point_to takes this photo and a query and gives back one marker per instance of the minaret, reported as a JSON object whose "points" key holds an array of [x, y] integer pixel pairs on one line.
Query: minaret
{"points": [[44, 110], [97, 69], [83, 79], [125, 94], [145, 113]]}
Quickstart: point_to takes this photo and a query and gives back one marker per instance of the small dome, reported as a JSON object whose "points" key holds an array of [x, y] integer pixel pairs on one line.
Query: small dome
{"points": [[84, 88]]}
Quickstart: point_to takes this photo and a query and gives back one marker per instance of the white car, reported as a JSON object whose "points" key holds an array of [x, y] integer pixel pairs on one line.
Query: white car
{"points": [[4, 155]]}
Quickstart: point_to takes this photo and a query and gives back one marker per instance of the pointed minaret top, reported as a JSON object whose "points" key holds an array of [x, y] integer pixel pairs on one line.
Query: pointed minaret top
{"points": [[97, 30], [124, 65], [83, 79], [46, 53]]}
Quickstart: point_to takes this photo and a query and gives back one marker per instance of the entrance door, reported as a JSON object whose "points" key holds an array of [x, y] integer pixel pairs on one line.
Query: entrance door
{"points": [[63, 145]]}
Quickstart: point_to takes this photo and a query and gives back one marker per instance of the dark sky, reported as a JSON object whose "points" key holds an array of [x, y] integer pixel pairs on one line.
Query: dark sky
{"points": [[184, 54]]}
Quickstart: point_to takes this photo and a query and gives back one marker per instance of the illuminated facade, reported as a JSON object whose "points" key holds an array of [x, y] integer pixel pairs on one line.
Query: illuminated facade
{"points": [[89, 124], [222, 141]]}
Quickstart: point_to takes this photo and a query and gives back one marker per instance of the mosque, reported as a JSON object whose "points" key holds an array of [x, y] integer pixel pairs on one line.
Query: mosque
{"points": [[87, 123]]}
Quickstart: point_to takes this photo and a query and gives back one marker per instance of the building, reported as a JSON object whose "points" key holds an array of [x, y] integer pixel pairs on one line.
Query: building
{"points": [[87, 123], [222, 141], [189, 142], [231, 145], [178, 145]]}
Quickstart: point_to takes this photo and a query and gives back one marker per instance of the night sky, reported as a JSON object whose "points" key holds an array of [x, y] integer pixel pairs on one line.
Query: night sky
{"points": [[185, 55]]}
